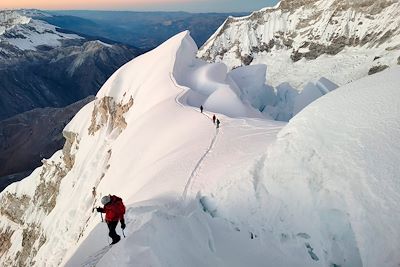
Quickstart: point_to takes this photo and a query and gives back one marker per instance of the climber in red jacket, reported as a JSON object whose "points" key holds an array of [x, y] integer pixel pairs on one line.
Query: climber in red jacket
{"points": [[114, 209]]}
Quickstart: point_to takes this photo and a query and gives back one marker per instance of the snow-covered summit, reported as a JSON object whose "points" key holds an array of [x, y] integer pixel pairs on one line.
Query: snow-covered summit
{"points": [[19, 30], [301, 41], [201, 196], [10, 19]]}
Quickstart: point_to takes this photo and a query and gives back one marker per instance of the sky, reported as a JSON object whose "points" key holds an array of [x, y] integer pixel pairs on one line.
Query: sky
{"points": [[143, 5]]}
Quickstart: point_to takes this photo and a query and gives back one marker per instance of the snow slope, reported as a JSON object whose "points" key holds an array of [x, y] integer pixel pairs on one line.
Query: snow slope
{"points": [[314, 193], [334, 172]]}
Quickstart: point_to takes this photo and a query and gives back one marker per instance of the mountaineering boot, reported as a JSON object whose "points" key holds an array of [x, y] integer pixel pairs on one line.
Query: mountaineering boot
{"points": [[116, 240]]}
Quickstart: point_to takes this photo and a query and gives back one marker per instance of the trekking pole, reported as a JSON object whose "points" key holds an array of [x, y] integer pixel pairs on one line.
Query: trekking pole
{"points": [[123, 233]]}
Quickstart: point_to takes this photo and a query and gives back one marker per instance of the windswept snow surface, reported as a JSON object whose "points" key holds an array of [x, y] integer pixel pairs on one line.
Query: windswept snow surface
{"points": [[320, 191], [334, 175]]}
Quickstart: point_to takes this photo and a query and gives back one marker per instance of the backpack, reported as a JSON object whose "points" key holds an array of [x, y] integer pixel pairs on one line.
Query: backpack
{"points": [[119, 205], [115, 210]]}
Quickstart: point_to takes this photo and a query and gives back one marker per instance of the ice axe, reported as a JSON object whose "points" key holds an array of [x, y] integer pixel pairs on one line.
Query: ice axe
{"points": [[101, 214]]}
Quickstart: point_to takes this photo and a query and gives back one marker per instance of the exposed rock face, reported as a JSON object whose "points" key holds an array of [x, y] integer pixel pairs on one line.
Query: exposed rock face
{"points": [[47, 191], [107, 111], [377, 69], [32, 239], [368, 6], [26, 139], [291, 5], [305, 30], [71, 138], [17, 209], [14, 207], [5, 240]]}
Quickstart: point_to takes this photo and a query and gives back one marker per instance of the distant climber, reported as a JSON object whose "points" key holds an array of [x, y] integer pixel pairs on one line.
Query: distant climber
{"points": [[201, 108], [94, 192], [214, 118], [114, 209], [218, 122]]}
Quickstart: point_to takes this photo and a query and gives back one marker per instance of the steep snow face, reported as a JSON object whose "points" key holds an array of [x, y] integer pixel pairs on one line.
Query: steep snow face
{"points": [[311, 92], [326, 192], [287, 101], [25, 33], [301, 41], [333, 174]]}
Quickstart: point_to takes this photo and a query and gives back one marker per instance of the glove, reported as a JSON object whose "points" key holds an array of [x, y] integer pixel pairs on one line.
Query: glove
{"points": [[99, 209], [123, 225]]}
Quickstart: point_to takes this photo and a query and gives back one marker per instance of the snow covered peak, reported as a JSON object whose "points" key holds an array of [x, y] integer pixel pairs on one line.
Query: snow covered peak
{"points": [[295, 37], [176, 51], [9, 19], [21, 32]]}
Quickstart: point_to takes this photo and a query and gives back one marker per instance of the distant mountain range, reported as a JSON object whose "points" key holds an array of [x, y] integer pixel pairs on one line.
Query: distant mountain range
{"points": [[40, 66], [144, 30], [27, 138]]}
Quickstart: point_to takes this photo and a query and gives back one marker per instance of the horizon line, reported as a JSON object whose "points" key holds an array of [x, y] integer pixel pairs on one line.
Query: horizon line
{"points": [[118, 10]]}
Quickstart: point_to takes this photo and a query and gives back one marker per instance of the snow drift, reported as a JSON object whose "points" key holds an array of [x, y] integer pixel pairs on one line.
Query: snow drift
{"points": [[326, 191], [335, 171]]}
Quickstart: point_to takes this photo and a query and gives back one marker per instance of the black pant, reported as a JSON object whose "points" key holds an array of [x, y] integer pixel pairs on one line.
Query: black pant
{"points": [[111, 227]]}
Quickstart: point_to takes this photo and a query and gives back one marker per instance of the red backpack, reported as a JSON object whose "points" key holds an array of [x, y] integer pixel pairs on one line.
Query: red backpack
{"points": [[115, 209]]}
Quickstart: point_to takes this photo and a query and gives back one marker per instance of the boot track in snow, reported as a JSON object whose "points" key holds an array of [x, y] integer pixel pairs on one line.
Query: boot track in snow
{"points": [[196, 168], [95, 258]]}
